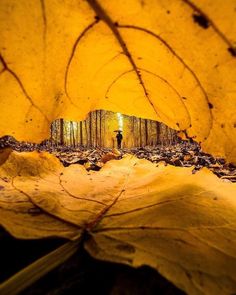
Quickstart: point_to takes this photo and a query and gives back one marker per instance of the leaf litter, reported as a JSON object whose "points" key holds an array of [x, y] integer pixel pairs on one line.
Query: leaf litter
{"points": [[183, 154]]}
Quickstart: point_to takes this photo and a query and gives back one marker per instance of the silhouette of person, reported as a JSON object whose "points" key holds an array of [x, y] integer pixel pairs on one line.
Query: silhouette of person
{"points": [[119, 138]]}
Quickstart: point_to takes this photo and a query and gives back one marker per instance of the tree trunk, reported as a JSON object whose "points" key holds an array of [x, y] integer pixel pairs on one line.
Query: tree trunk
{"points": [[61, 132], [90, 129], [96, 129], [77, 134], [81, 132], [146, 131], [140, 132], [86, 133], [51, 134], [158, 133], [100, 128], [72, 134]]}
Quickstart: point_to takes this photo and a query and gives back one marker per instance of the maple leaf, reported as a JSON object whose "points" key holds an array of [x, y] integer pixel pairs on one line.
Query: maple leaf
{"points": [[133, 212]]}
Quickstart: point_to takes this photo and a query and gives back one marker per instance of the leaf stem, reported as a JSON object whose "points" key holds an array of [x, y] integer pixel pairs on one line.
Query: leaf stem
{"points": [[33, 272]]}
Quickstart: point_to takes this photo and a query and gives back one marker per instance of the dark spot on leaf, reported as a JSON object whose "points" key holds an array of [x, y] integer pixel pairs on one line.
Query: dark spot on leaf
{"points": [[34, 211], [97, 17], [116, 24], [140, 57], [210, 105], [201, 20], [168, 11], [215, 199], [125, 248], [5, 179], [234, 125], [177, 124], [222, 125], [232, 51], [184, 97], [1, 187], [189, 275]]}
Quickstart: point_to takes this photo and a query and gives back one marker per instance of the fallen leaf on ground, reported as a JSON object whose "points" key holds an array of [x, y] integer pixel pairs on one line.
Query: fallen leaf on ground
{"points": [[133, 212], [171, 61]]}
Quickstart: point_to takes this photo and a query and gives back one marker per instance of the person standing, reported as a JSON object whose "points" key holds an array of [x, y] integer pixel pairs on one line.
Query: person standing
{"points": [[119, 138]]}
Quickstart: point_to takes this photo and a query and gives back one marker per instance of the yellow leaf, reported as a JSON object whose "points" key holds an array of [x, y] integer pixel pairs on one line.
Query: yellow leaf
{"points": [[134, 212], [172, 61]]}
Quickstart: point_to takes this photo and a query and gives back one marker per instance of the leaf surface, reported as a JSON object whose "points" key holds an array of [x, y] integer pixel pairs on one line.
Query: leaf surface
{"points": [[134, 212], [172, 61]]}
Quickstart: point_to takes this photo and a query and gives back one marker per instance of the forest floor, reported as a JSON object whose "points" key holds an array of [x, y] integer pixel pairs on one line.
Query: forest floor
{"points": [[183, 154]]}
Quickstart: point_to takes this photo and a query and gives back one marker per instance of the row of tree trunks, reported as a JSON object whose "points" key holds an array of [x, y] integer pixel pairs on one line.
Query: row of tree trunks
{"points": [[94, 131]]}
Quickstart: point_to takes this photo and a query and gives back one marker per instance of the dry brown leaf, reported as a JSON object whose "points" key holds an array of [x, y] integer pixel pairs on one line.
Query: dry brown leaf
{"points": [[168, 60], [109, 156], [134, 212]]}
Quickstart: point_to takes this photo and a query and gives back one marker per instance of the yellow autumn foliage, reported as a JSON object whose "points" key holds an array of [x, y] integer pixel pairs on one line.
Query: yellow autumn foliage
{"points": [[168, 60], [135, 213]]}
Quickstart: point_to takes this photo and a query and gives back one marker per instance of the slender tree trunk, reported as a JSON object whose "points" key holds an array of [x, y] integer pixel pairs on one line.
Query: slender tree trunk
{"points": [[136, 132], [100, 128], [72, 134], [140, 132], [77, 134], [61, 132], [151, 132], [90, 129], [146, 131], [133, 130], [104, 129], [166, 135], [158, 132], [51, 134], [96, 129], [56, 133], [81, 132], [86, 132]]}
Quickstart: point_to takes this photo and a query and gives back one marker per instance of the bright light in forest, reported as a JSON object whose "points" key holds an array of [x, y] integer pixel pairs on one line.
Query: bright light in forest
{"points": [[120, 121]]}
